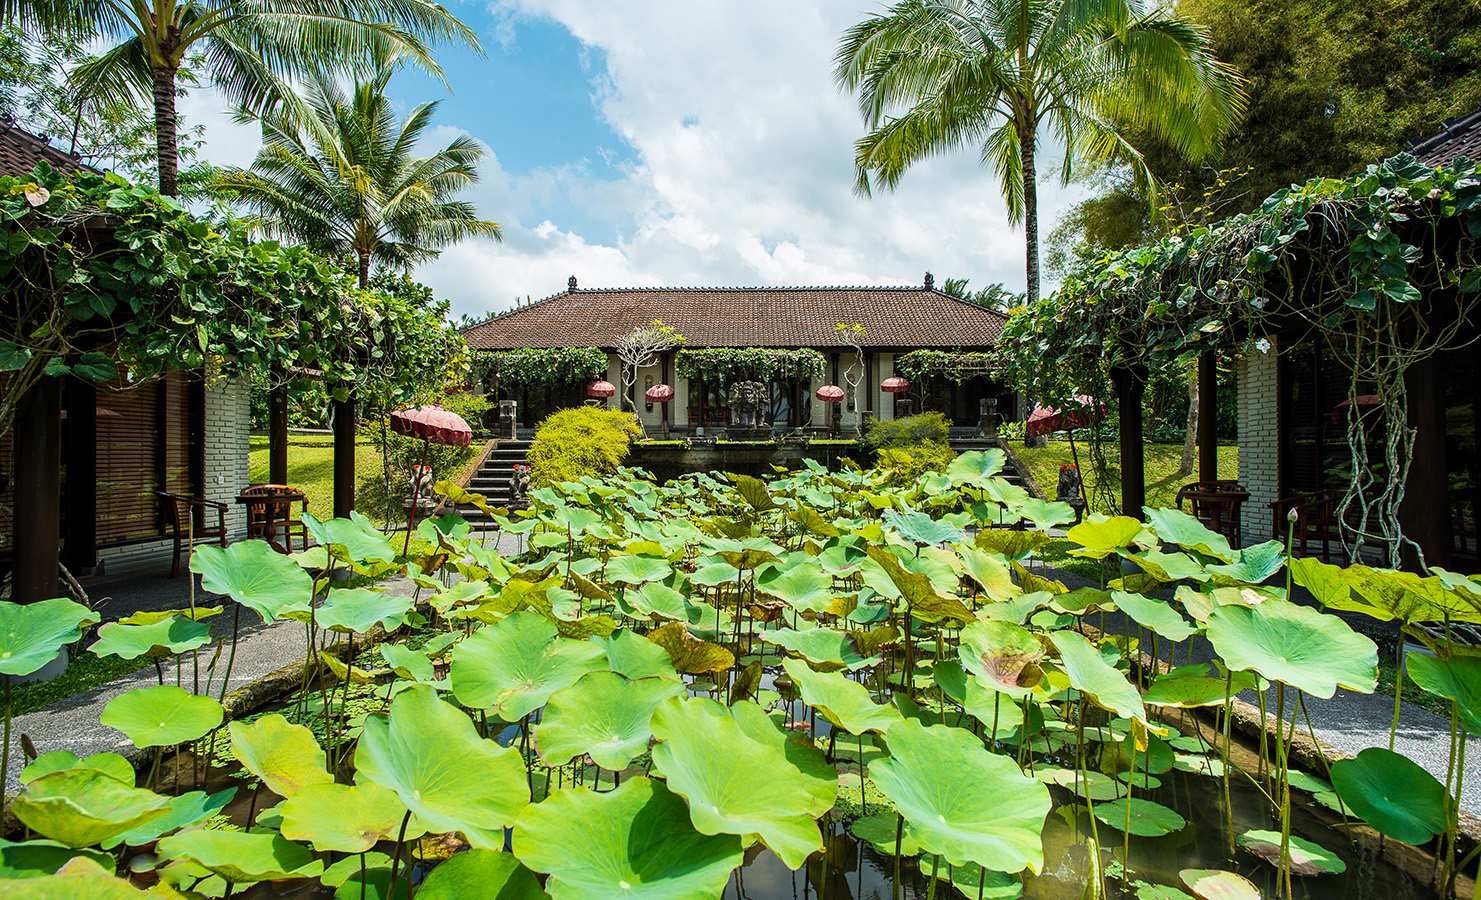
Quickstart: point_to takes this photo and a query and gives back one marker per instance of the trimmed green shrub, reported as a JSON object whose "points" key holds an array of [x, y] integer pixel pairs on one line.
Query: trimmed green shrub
{"points": [[909, 463], [587, 440], [911, 431]]}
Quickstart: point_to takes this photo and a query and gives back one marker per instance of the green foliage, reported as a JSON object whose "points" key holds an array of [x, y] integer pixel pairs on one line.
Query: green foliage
{"points": [[911, 431], [587, 440], [760, 364], [958, 367], [533, 367]]}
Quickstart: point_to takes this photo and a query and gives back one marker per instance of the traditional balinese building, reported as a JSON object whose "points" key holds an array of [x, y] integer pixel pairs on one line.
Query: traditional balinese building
{"points": [[784, 337]]}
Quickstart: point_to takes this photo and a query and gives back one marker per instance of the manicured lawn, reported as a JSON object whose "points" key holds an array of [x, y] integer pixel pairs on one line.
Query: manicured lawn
{"points": [[311, 467], [1161, 464]]}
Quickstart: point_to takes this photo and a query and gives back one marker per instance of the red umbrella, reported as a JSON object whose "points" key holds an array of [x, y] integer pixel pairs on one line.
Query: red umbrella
{"points": [[830, 393], [894, 385], [661, 393], [434, 425], [1362, 400], [1045, 420], [601, 389]]}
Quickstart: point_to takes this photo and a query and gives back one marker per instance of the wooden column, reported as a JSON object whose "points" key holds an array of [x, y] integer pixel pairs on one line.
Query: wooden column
{"points": [[1208, 390], [1425, 513], [277, 435], [80, 492], [196, 424], [38, 492], [1130, 386], [344, 457]]}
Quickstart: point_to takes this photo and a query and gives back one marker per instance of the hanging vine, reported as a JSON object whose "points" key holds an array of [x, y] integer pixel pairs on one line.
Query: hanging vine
{"points": [[759, 363], [545, 366], [953, 366]]}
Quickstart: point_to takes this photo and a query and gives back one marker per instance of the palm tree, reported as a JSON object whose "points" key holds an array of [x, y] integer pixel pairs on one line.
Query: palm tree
{"points": [[337, 172], [939, 75], [243, 44]]}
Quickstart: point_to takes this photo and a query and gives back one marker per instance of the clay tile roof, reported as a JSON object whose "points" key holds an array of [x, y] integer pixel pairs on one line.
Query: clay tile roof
{"points": [[893, 317], [1461, 137], [20, 151]]}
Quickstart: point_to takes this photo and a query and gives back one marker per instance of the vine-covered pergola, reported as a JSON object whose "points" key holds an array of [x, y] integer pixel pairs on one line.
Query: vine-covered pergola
{"points": [[1385, 261], [101, 279]]}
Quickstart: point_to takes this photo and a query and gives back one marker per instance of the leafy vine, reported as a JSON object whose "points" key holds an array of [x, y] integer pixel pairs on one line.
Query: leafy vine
{"points": [[531, 367], [719, 363], [955, 366]]}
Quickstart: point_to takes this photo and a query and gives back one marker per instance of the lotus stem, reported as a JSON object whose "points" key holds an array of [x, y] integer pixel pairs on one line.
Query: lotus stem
{"points": [[1228, 758], [899, 836], [1393, 729], [231, 658], [159, 753], [396, 859], [935, 866], [5, 755]]}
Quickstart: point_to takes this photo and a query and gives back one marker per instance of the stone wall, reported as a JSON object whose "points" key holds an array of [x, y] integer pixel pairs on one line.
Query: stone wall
{"points": [[1258, 377]]}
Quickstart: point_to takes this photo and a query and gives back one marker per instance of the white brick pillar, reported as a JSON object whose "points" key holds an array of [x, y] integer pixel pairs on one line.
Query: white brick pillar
{"points": [[228, 423], [1258, 378]]}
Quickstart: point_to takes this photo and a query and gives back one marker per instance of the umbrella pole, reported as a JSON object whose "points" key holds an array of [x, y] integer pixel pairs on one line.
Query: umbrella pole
{"points": [[416, 489], [1079, 475]]}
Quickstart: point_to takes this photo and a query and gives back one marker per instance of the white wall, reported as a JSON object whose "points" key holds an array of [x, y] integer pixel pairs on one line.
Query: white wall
{"points": [[1258, 378]]}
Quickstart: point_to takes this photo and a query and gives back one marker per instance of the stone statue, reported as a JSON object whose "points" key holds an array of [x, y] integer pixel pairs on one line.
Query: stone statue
{"points": [[1069, 485], [421, 484], [748, 404], [519, 485]]}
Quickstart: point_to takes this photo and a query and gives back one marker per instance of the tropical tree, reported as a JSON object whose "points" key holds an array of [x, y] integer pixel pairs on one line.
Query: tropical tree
{"points": [[1002, 75], [337, 171], [243, 44]]}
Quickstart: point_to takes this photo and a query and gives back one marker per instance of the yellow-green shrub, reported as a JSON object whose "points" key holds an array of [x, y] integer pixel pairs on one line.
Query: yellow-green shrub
{"points": [[587, 440]]}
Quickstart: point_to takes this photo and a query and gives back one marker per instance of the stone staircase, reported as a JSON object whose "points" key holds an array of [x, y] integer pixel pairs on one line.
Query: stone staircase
{"points": [[1014, 471], [495, 477]]}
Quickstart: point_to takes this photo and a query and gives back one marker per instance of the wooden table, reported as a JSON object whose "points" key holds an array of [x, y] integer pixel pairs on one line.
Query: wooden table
{"points": [[267, 510]]}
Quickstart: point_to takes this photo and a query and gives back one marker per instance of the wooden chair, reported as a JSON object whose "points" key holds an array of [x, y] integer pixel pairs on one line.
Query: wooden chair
{"points": [[273, 514], [1216, 504], [178, 510], [1316, 521]]}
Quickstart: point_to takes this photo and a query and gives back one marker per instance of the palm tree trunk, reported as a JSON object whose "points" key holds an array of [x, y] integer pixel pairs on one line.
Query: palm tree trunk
{"points": [[364, 271], [165, 124], [1026, 154]]}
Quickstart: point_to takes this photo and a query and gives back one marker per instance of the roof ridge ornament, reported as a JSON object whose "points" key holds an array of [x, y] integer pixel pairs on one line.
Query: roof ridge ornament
{"points": [[930, 281], [571, 284]]}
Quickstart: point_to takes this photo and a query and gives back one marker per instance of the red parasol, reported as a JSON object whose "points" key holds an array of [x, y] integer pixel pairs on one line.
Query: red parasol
{"points": [[830, 393], [1362, 400], [661, 393], [601, 389], [434, 425], [894, 385], [1045, 420]]}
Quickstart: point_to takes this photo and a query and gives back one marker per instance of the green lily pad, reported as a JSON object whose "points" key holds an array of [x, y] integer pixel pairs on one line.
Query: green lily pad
{"points": [[1091, 675], [805, 587], [637, 657], [657, 601], [285, 756], [357, 610], [427, 751], [734, 783], [1252, 565], [1045, 514], [1099, 537], [635, 843], [819, 777], [1096, 786], [239, 857], [340, 872], [255, 575], [1148, 819], [1187, 691], [919, 528], [83, 807], [1391, 793], [353, 539], [32, 633], [162, 639], [33, 859], [185, 810], [878, 828], [481, 873], [959, 800], [408, 663], [990, 572], [1212, 884], [827, 648], [344, 818], [1002, 655], [637, 569], [603, 715], [1177, 527], [845, 703], [1154, 615], [511, 667], [81, 878], [162, 716], [1457, 678], [976, 466], [972, 881], [1306, 858], [1286, 642], [108, 763]]}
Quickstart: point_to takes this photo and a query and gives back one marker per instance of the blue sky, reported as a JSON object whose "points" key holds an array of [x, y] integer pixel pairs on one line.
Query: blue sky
{"points": [[680, 143]]}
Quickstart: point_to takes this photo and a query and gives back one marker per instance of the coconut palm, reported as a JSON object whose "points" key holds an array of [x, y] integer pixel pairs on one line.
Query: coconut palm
{"points": [[242, 45], [940, 75], [337, 172]]}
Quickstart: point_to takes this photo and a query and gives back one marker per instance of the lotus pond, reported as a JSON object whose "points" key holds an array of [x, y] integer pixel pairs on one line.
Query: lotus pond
{"points": [[822, 684]]}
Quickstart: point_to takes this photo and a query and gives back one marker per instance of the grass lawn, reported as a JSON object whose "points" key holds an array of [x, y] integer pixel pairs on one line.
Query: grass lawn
{"points": [[1161, 464], [83, 672], [311, 467]]}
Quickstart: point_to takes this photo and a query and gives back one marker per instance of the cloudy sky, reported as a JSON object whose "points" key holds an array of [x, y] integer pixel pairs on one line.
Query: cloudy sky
{"points": [[680, 143]]}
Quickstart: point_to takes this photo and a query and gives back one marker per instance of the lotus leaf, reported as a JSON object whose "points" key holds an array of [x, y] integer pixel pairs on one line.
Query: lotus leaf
{"points": [[1212, 884], [734, 783], [481, 873], [513, 666], [970, 880], [918, 591], [1099, 537], [1018, 610], [162, 639], [657, 601], [1045, 514], [1002, 655], [1090, 674], [342, 671], [1187, 691], [845, 703], [353, 539], [879, 829], [803, 587], [919, 528], [1154, 615], [820, 778], [635, 843], [152, 616], [34, 859], [1391, 793], [1167, 567], [83, 807], [991, 572], [256, 576], [340, 872], [604, 715], [185, 810], [162, 716], [357, 610], [637, 657], [1252, 565], [240, 857], [1286, 642], [1010, 543], [285, 756], [425, 751], [826, 648], [637, 569], [1306, 858], [451, 525], [1457, 678], [408, 663], [748, 554], [58, 760], [1177, 527], [79, 878], [961, 801], [976, 466], [32, 633], [690, 655], [1097, 786], [1148, 819], [464, 593], [344, 818]]}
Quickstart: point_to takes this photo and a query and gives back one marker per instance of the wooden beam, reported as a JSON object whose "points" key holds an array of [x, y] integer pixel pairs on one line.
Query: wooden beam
{"points": [[80, 456], [344, 457], [1208, 403], [38, 492], [277, 435], [1130, 385], [1425, 513]]}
